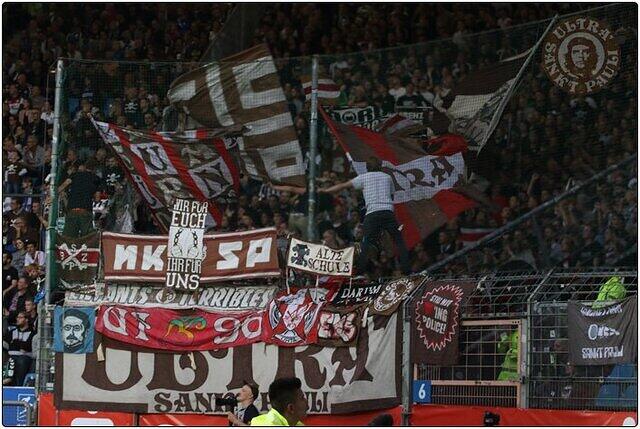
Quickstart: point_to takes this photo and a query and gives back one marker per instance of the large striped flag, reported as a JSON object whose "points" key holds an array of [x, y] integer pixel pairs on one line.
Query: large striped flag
{"points": [[245, 90], [427, 176], [196, 164]]}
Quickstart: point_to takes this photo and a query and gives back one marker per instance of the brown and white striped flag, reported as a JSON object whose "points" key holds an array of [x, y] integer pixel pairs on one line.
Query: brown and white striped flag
{"points": [[244, 89]]}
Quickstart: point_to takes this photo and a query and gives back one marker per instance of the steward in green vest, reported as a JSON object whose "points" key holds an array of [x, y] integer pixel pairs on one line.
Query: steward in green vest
{"points": [[288, 404], [509, 344]]}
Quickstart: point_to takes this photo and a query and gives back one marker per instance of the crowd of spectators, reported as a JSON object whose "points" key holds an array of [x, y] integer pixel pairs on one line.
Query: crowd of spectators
{"points": [[545, 142]]}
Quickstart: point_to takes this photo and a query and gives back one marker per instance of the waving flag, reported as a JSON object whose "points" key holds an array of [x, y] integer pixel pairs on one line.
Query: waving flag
{"points": [[428, 178], [474, 106], [163, 166], [245, 90]]}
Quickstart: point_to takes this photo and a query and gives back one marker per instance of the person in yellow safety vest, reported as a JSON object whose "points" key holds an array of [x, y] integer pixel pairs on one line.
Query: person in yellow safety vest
{"points": [[288, 404], [611, 290], [509, 344]]}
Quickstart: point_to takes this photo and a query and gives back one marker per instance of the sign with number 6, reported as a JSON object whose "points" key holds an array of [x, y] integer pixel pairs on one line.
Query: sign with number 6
{"points": [[422, 391]]}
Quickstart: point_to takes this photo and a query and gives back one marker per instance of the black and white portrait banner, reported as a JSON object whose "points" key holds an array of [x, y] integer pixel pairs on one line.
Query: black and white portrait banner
{"points": [[320, 259], [605, 335], [186, 244]]}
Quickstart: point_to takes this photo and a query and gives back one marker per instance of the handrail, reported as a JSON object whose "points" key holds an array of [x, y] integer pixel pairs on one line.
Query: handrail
{"points": [[26, 405]]}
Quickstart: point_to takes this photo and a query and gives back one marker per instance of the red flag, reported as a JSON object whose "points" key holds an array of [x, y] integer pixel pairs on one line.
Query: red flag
{"points": [[424, 180], [166, 165]]}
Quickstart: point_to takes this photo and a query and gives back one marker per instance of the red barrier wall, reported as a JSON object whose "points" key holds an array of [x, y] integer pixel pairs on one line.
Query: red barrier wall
{"points": [[181, 420], [449, 415], [49, 416]]}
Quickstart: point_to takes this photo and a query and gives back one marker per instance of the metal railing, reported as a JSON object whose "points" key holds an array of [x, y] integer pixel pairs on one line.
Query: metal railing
{"points": [[28, 410], [535, 303]]}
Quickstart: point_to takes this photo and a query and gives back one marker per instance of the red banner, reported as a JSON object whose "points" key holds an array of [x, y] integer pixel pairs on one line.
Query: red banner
{"points": [[237, 255], [179, 330], [292, 319], [450, 415]]}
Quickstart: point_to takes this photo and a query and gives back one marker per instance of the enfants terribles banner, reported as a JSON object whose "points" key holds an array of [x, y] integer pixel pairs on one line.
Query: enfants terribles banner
{"points": [[334, 379]]}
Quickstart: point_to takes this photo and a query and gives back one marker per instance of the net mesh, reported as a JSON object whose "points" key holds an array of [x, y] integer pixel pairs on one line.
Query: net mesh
{"points": [[547, 141]]}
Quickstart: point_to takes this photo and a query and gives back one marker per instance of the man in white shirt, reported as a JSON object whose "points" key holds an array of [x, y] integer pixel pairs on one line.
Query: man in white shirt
{"points": [[377, 188], [34, 256]]}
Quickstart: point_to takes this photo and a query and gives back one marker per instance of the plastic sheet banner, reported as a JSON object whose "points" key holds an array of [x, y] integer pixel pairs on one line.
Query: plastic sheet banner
{"points": [[450, 415], [48, 415], [181, 420], [13, 415]]}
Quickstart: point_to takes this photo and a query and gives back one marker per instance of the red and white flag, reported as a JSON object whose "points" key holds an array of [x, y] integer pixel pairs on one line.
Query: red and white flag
{"points": [[197, 164], [469, 236], [427, 176], [328, 90]]}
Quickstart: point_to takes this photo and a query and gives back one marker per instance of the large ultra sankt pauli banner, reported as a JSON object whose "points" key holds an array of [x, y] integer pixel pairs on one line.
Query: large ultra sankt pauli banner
{"points": [[121, 377]]}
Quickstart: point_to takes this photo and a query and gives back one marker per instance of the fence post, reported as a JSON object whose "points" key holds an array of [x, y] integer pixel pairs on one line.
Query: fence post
{"points": [[528, 340], [407, 367], [43, 326], [313, 150]]}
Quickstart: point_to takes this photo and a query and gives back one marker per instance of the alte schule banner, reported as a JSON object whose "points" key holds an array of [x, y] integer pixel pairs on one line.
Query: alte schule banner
{"points": [[320, 259], [336, 380], [178, 330], [237, 255]]}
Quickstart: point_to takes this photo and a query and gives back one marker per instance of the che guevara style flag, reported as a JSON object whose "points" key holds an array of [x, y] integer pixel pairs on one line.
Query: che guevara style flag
{"points": [[428, 176], [195, 164]]}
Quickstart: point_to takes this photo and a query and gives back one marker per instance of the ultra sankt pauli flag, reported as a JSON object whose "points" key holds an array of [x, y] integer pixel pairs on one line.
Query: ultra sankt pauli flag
{"points": [[428, 176]]}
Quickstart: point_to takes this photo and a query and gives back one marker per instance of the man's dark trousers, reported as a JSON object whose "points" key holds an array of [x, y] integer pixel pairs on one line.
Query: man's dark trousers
{"points": [[374, 224]]}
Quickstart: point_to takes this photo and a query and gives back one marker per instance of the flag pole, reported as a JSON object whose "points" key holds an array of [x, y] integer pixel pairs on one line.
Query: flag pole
{"points": [[313, 150], [498, 113], [44, 319]]}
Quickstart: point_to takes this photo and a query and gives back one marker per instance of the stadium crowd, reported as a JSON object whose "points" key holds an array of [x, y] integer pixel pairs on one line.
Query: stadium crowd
{"points": [[548, 139]]}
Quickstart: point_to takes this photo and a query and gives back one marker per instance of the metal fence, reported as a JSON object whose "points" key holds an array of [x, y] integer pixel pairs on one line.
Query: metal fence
{"points": [[534, 304]]}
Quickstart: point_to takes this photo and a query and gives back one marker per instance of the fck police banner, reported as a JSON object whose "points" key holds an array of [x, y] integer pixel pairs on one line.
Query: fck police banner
{"points": [[605, 335]]}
